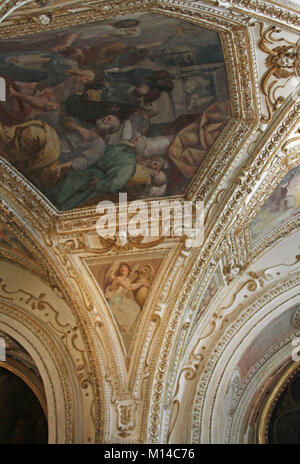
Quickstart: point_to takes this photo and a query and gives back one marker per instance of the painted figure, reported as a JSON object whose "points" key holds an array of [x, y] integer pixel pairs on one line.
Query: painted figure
{"points": [[110, 174], [147, 73], [126, 289], [42, 153]]}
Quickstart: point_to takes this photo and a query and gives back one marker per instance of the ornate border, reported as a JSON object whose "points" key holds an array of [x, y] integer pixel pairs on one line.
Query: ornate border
{"points": [[39, 332], [223, 343]]}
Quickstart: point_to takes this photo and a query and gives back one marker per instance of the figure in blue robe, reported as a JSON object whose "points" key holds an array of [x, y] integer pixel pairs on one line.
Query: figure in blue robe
{"points": [[109, 175]]}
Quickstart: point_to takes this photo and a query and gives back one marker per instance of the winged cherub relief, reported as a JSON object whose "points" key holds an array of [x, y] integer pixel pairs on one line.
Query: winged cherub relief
{"points": [[283, 62]]}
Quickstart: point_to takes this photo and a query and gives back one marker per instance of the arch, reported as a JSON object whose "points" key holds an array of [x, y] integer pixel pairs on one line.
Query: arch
{"points": [[20, 371], [215, 379], [53, 370], [270, 403]]}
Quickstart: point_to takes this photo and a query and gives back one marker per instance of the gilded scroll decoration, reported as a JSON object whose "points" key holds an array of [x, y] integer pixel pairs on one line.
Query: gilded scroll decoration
{"points": [[283, 62]]}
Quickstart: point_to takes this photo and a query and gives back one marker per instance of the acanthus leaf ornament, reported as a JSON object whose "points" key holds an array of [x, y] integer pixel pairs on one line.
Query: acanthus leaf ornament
{"points": [[283, 62]]}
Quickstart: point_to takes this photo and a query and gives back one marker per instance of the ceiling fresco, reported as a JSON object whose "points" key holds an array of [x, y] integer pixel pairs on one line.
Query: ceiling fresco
{"points": [[282, 206], [148, 338], [128, 105]]}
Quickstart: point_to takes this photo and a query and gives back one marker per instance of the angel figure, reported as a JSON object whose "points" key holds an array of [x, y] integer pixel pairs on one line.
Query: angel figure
{"points": [[124, 287]]}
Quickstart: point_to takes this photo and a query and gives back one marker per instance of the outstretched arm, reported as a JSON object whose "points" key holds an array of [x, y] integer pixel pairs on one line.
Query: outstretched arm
{"points": [[34, 101], [86, 134], [68, 41]]}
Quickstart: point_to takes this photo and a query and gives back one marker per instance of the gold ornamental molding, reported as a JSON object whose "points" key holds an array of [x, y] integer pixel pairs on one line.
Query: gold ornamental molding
{"points": [[272, 399], [15, 315], [272, 358], [64, 13], [227, 150], [8, 7], [283, 62], [18, 197], [228, 334], [39, 264], [253, 283], [273, 11], [243, 185], [280, 139], [69, 326], [41, 308]]}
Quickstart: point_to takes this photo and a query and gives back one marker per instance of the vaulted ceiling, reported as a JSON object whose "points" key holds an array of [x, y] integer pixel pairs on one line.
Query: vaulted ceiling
{"points": [[204, 333]]}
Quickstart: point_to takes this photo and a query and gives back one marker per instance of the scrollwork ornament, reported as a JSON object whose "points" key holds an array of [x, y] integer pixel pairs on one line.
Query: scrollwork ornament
{"points": [[283, 62], [227, 336]]}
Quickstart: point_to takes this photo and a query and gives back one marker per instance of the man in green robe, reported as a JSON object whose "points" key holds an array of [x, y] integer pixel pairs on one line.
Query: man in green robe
{"points": [[109, 175]]}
